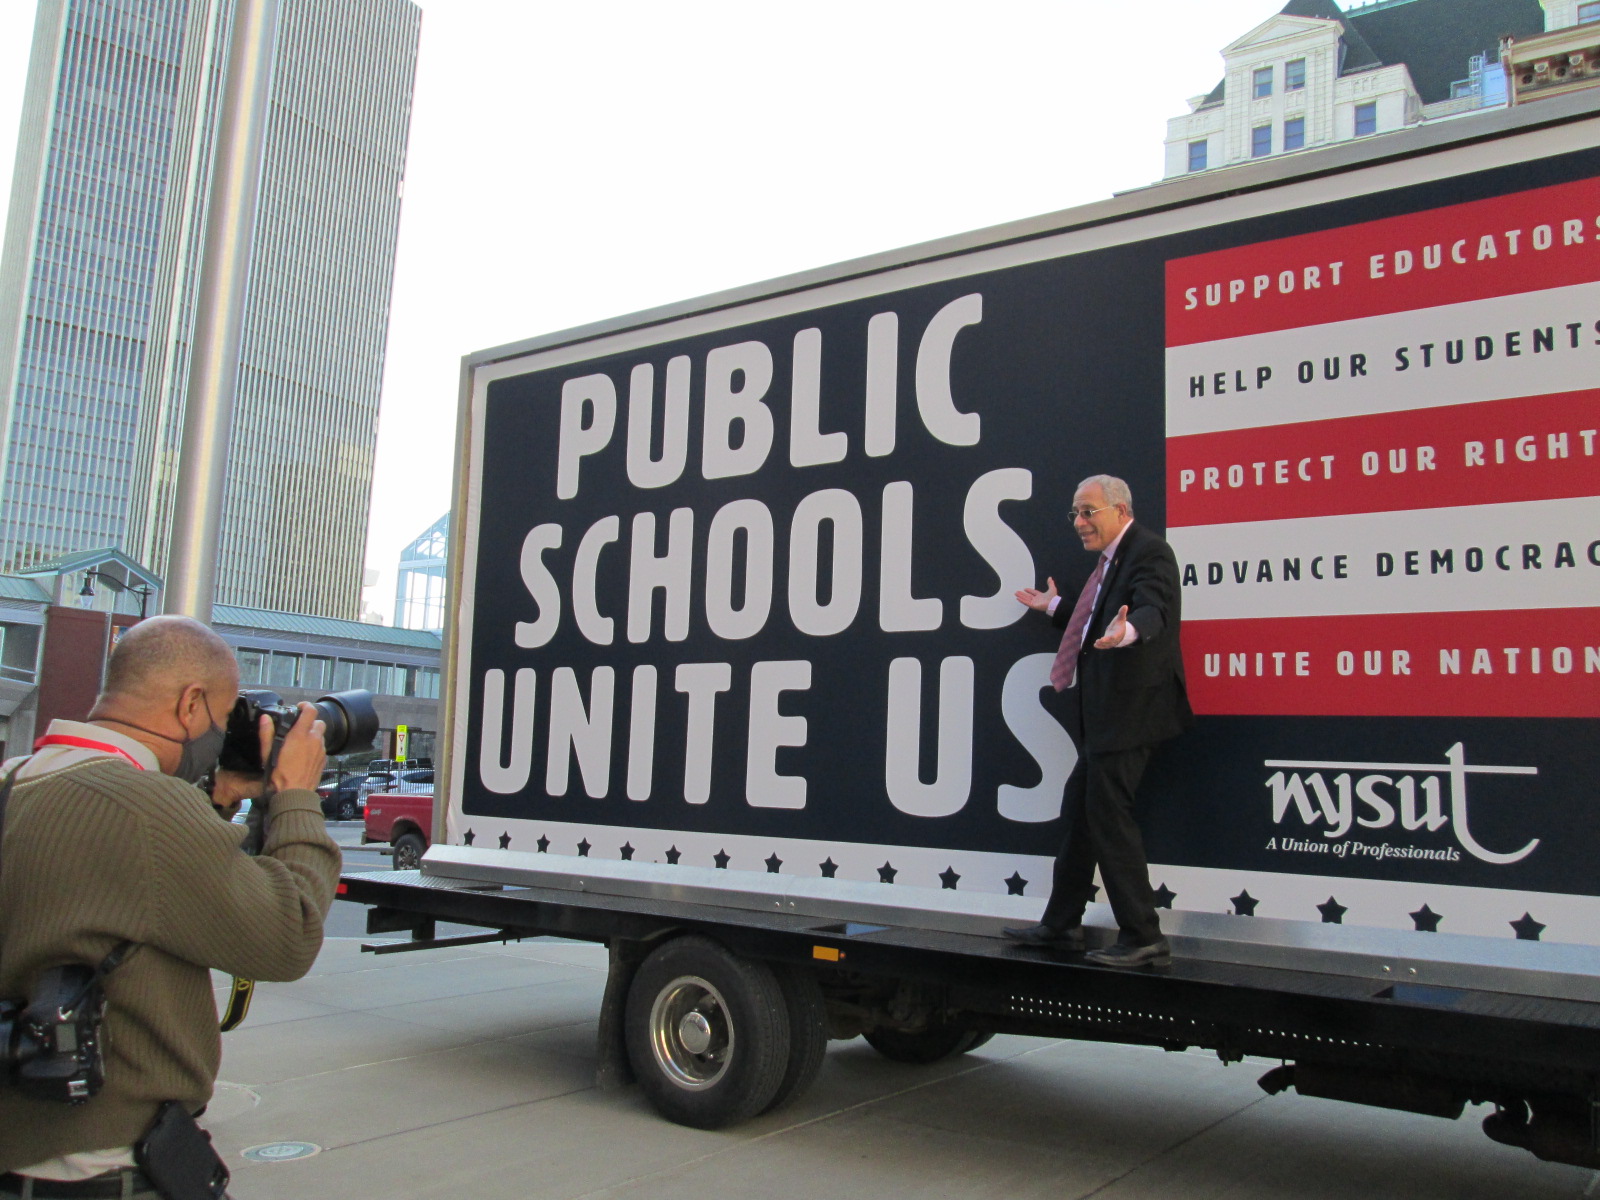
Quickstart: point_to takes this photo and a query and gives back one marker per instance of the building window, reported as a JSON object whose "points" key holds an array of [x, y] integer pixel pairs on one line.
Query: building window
{"points": [[1589, 12], [1262, 85], [1197, 156], [253, 666], [1261, 141], [19, 652], [1366, 119], [1294, 133], [316, 672], [284, 670], [1294, 75]]}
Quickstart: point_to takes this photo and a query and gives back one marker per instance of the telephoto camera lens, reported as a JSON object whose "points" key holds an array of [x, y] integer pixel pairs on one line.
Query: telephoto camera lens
{"points": [[349, 723]]}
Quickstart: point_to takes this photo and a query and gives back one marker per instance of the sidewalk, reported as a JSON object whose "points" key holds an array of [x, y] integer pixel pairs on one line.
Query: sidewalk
{"points": [[470, 1073]]}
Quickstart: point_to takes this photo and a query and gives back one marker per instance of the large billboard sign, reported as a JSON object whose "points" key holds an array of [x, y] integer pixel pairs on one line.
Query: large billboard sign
{"points": [[741, 582]]}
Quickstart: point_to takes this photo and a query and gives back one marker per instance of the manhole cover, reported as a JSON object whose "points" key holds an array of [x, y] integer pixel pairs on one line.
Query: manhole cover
{"points": [[282, 1151]]}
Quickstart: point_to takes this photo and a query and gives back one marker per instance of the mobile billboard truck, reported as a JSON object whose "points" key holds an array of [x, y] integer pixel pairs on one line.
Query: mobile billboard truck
{"points": [[738, 684]]}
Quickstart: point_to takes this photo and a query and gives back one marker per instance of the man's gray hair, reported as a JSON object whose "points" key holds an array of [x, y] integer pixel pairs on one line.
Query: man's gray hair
{"points": [[1113, 489]]}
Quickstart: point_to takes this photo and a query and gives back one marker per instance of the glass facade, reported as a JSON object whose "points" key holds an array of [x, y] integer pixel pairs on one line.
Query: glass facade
{"points": [[280, 669], [99, 277], [80, 294], [419, 593]]}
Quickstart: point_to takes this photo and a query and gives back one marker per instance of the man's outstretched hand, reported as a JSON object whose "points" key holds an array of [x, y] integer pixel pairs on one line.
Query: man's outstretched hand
{"points": [[1037, 600], [1115, 632]]}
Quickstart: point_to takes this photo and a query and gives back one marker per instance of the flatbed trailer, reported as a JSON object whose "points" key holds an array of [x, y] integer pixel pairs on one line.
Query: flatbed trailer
{"points": [[1359, 1023], [732, 580]]}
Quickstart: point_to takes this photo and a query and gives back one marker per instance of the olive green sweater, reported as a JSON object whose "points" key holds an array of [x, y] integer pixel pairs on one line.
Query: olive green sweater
{"points": [[100, 852]]}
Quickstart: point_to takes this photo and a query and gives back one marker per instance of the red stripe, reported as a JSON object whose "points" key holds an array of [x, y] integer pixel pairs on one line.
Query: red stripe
{"points": [[1292, 665], [1259, 474], [1456, 230], [78, 743]]}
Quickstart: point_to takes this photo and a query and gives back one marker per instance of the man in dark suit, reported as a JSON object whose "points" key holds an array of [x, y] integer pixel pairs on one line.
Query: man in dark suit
{"points": [[1127, 696]]}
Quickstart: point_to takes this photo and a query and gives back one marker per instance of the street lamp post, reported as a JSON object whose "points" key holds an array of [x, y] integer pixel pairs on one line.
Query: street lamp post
{"points": [[86, 592]]}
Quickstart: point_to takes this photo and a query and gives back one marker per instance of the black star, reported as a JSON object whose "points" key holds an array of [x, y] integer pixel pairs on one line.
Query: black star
{"points": [[466, 838], [1244, 904], [948, 879], [774, 863], [828, 867], [1528, 930], [543, 843], [1427, 921], [1165, 896], [673, 855], [886, 873], [505, 840], [627, 851], [721, 859], [584, 848], [1332, 912], [1016, 885]]}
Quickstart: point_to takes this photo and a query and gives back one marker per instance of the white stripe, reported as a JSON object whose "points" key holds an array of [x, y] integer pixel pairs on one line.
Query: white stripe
{"points": [[1284, 399], [1361, 537]]}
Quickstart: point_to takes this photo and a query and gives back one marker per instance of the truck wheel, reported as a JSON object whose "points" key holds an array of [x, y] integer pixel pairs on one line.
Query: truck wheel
{"points": [[808, 1032], [931, 1045], [408, 850], [707, 1033]]}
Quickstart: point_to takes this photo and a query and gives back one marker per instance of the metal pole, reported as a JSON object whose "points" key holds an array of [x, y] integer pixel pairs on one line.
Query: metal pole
{"points": [[191, 582]]}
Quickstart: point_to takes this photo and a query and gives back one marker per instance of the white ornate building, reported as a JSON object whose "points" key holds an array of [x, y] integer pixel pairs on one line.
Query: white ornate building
{"points": [[1317, 73]]}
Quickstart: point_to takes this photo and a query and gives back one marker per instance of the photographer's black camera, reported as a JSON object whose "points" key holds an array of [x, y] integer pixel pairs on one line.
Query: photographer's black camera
{"points": [[50, 1045], [349, 723]]}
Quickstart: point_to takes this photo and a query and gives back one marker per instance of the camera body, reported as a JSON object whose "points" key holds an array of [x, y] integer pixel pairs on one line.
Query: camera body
{"points": [[349, 723], [50, 1046]]}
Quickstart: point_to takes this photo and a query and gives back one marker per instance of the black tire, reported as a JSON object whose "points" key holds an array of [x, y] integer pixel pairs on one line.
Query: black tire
{"points": [[808, 1033], [347, 809], [931, 1045], [707, 1033], [408, 849]]}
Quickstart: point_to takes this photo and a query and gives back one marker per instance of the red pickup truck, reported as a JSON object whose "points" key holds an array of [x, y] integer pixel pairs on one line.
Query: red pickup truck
{"points": [[404, 820]]}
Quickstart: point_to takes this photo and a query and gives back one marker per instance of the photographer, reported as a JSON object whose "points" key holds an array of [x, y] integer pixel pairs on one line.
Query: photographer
{"points": [[106, 839]]}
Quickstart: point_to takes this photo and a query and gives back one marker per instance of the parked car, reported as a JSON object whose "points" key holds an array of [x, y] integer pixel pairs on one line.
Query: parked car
{"points": [[404, 820], [384, 781], [341, 798]]}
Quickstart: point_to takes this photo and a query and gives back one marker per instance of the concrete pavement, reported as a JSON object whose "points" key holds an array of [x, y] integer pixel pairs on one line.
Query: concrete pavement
{"points": [[470, 1073]]}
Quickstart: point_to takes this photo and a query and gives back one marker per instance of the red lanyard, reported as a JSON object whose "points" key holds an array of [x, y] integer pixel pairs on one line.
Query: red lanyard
{"points": [[78, 743]]}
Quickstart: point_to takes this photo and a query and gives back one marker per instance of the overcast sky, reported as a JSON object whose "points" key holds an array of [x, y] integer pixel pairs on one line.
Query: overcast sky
{"points": [[574, 161]]}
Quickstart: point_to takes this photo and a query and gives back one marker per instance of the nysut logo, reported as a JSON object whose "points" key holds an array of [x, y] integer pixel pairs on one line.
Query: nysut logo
{"points": [[1409, 798]]}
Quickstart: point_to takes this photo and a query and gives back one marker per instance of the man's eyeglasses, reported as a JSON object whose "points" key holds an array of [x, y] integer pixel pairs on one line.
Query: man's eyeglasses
{"points": [[1087, 514]]}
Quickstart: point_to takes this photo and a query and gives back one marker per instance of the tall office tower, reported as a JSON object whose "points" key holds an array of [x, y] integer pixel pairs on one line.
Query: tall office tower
{"points": [[101, 264]]}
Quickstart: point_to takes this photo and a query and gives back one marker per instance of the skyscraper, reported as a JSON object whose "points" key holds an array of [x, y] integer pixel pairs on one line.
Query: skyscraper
{"points": [[101, 263]]}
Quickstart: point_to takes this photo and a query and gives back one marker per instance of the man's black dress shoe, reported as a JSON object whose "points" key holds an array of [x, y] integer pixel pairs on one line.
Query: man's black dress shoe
{"points": [[1119, 954], [1047, 935]]}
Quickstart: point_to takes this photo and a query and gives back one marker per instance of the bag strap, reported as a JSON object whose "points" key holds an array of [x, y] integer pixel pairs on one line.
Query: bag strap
{"points": [[119, 952], [5, 794]]}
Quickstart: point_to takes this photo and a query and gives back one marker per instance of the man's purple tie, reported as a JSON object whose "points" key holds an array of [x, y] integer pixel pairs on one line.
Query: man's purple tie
{"points": [[1065, 668]]}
